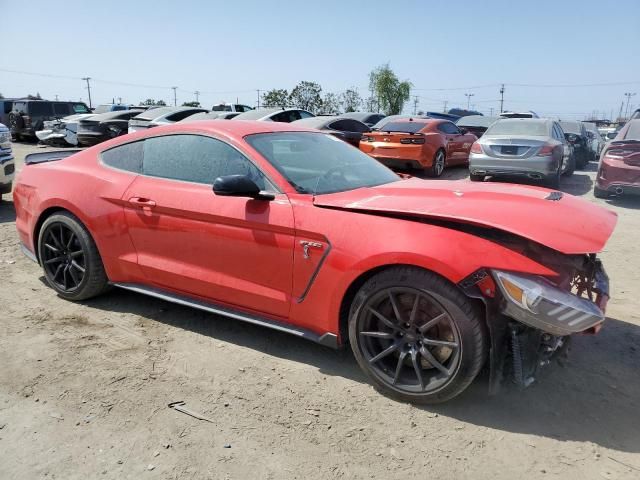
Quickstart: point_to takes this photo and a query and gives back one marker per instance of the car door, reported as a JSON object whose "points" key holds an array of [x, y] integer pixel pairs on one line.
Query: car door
{"points": [[463, 142], [231, 250], [451, 141]]}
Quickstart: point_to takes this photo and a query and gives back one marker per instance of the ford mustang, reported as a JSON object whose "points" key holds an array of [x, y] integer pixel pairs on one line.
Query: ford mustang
{"points": [[293, 229]]}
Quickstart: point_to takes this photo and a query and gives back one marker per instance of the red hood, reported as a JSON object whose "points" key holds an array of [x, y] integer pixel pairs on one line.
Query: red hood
{"points": [[569, 225]]}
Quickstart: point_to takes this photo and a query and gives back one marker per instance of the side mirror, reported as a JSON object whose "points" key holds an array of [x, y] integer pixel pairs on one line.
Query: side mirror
{"points": [[239, 186]]}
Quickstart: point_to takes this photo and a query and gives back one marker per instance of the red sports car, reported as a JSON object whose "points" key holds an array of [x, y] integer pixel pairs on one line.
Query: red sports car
{"points": [[425, 144], [619, 168], [295, 230]]}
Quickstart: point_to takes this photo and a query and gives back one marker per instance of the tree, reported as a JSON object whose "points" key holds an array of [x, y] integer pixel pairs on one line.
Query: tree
{"points": [[153, 103], [391, 92], [278, 97], [306, 95], [34, 97], [330, 103], [351, 100], [191, 104]]}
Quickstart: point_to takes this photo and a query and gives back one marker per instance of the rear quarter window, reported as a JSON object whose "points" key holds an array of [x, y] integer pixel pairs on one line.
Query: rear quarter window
{"points": [[125, 157]]}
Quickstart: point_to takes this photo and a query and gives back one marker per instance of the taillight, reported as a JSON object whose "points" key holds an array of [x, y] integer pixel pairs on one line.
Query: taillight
{"points": [[416, 141], [546, 151], [476, 148]]}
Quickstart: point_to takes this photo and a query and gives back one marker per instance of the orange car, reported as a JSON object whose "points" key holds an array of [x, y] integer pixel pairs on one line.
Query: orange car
{"points": [[427, 144]]}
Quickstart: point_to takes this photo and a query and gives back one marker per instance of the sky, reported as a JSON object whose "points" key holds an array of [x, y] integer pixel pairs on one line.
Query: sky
{"points": [[566, 59]]}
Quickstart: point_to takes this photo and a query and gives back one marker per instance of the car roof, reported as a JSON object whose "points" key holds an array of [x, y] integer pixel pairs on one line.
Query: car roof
{"points": [[154, 113], [263, 112], [237, 129]]}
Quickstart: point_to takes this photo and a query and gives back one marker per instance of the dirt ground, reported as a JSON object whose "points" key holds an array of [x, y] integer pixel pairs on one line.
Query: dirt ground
{"points": [[84, 390]]}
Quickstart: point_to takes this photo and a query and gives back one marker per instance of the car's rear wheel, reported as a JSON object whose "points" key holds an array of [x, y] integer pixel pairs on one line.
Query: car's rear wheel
{"points": [[438, 164], [70, 258], [415, 335]]}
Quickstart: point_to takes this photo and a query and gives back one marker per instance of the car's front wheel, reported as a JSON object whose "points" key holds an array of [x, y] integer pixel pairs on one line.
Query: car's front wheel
{"points": [[70, 258], [416, 336]]}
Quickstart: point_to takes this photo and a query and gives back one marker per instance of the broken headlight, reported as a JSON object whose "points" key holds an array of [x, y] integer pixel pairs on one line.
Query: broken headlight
{"points": [[538, 303]]}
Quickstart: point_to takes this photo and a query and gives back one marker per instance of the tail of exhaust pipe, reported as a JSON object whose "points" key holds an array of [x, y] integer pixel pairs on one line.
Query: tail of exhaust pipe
{"points": [[619, 190]]}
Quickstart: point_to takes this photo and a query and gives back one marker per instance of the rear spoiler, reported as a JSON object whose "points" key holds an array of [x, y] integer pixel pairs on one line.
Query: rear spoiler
{"points": [[49, 156]]}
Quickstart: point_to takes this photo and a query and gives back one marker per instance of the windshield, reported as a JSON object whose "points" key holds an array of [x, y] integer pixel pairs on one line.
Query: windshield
{"points": [[319, 163], [519, 127], [403, 127]]}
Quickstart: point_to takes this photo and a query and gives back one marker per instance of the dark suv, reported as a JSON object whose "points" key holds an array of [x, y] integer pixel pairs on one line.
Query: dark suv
{"points": [[28, 116]]}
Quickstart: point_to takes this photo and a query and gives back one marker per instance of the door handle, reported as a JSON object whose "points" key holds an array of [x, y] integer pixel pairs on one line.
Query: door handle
{"points": [[307, 245], [144, 203]]}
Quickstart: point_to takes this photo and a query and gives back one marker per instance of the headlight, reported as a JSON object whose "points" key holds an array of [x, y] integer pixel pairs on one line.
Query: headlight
{"points": [[536, 302]]}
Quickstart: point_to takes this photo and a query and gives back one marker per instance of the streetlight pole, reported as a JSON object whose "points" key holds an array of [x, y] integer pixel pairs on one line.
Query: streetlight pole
{"points": [[469, 95], [197, 94], [626, 110], [86, 79], [501, 98], [175, 101], [258, 90]]}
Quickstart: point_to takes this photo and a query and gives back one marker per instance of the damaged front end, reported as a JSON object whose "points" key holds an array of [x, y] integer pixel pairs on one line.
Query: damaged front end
{"points": [[531, 318], [58, 132]]}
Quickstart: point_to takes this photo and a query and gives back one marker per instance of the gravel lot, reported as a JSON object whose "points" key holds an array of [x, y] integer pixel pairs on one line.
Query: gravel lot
{"points": [[85, 387]]}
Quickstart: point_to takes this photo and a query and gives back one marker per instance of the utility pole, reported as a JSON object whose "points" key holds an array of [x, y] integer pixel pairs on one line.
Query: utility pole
{"points": [[415, 104], [469, 95], [56, 97], [86, 79], [491, 111], [626, 110], [502, 98], [197, 94], [445, 106], [258, 90], [120, 100], [621, 107], [175, 101]]}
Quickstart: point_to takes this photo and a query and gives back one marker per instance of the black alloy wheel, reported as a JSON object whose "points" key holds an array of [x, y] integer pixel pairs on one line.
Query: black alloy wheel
{"points": [[415, 335]]}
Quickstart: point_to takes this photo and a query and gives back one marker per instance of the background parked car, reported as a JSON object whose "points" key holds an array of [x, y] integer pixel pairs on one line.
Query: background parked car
{"points": [[368, 118], [161, 116], [98, 128], [111, 107], [595, 139], [28, 116], [529, 147], [443, 116], [285, 115], [62, 132], [476, 124], [231, 107], [7, 165], [348, 129], [428, 144], [577, 136], [619, 168]]}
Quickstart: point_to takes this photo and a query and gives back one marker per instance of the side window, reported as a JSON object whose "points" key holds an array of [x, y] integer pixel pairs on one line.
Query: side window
{"points": [[448, 128], [61, 109], [198, 159], [304, 114], [8, 106], [125, 157], [342, 125], [281, 117], [176, 117]]}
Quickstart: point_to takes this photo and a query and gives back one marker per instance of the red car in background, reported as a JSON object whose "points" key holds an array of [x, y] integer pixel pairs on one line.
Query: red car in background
{"points": [[293, 229], [425, 144], [619, 168]]}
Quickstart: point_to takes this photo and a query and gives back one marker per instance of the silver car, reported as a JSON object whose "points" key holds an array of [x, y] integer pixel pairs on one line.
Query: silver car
{"points": [[530, 147]]}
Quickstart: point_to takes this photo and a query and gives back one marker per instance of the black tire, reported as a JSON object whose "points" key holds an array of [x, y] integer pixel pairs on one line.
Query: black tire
{"points": [[445, 338], [477, 178], [61, 237], [571, 167], [553, 182], [438, 164], [581, 162], [599, 193]]}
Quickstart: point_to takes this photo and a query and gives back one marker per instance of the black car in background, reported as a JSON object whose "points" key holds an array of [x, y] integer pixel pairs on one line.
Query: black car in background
{"points": [[476, 124], [576, 135], [104, 126], [348, 129], [368, 118], [28, 116]]}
